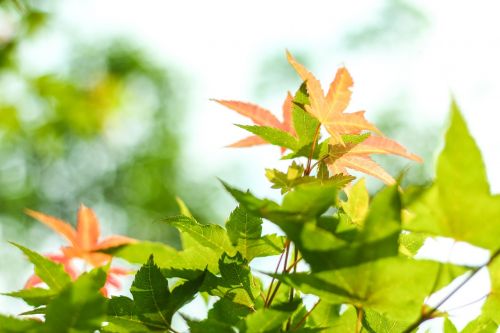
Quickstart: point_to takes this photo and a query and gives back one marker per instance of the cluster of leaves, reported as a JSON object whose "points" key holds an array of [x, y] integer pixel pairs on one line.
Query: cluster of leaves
{"points": [[359, 251]]}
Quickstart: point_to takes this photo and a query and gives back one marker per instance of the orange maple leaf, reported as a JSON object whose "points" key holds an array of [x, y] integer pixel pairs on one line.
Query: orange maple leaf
{"points": [[358, 158], [112, 279], [262, 117], [329, 109], [84, 240]]}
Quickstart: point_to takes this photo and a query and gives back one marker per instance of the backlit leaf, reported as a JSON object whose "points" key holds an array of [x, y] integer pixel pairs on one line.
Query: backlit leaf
{"points": [[151, 295], [445, 208], [53, 274], [79, 307], [395, 287]]}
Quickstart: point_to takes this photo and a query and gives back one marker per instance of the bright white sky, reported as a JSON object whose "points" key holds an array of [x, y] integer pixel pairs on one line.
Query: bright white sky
{"points": [[218, 45]]}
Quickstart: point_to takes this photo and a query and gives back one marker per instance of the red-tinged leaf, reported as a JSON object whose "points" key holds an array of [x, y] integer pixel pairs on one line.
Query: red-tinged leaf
{"points": [[316, 95], [258, 115], [287, 114], [382, 145], [59, 226], [83, 242], [337, 169], [96, 259], [113, 241], [250, 141], [329, 110], [263, 117], [87, 228], [350, 123], [339, 94], [112, 279], [366, 165]]}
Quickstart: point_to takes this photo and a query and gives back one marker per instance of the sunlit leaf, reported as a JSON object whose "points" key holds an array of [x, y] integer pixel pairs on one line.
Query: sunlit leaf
{"points": [[329, 109], [34, 296], [356, 206], [79, 307], [151, 295], [445, 208], [273, 136], [395, 287], [10, 324], [53, 274]]}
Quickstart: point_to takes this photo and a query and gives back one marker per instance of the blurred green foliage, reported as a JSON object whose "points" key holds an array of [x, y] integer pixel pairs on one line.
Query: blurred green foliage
{"points": [[397, 22], [101, 128]]}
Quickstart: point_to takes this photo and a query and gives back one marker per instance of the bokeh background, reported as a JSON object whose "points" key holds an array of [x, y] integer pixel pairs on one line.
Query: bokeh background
{"points": [[107, 103]]}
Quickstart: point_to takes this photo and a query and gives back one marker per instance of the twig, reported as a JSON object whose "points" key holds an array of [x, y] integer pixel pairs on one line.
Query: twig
{"points": [[319, 161], [467, 304], [266, 302], [292, 290], [427, 315], [278, 285], [293, 265], [359, 310], [303, 320], [308, 169]]}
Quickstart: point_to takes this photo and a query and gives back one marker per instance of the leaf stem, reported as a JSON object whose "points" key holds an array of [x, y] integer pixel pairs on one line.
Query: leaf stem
{"points": [[428, 314], [319, 161], [359, 321], [303, 320], [278, 285], [268, 300], [308, 169], [292, 290]]}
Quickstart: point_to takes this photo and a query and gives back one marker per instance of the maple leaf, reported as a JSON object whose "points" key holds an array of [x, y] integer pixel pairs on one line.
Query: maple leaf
{"points": [[262, 117], [84, 240], [34, 280], [112, 279], [357, 157], [329, 109]]}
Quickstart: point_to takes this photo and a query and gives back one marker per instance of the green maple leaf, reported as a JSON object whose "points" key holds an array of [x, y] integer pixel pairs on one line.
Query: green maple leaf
{"points": [[151, 295], [79, 307], [394, 287], [304, 124], [245, 232], [306, 202], [460, 196], [34, 296], [274, 136], [269, 320], [10, 324], [222, 318], [481, 324], [123, 318], [358, 199], [236, 282], [186, 264], [53, 274]]}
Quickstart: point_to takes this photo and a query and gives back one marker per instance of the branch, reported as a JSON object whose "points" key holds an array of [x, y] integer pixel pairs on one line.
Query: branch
{"points": [[359, 321], [427, 315], [308, 169], [267, 300], [303, 320]]}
